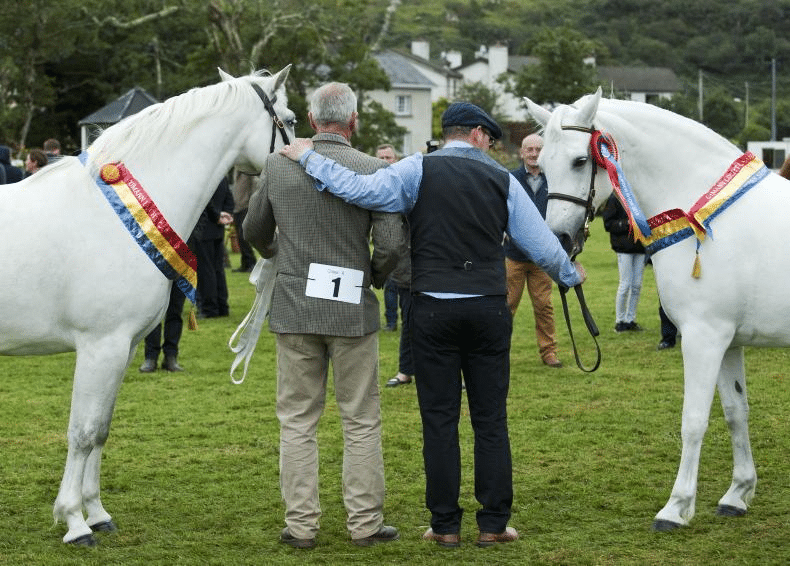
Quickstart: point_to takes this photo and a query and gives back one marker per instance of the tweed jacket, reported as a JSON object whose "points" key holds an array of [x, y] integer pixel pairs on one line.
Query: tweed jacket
{"points": [[289, 217]]}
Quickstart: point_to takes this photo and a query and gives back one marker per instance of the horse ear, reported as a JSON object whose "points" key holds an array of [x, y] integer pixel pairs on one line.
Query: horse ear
{"points": [[590, 108], [281, 76], [538, 113], [224, 76]]}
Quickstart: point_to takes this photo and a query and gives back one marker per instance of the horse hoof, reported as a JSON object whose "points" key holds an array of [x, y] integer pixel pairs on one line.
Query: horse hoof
{"points": [[664, 526], [730, 511], [84, 540], [104, 527]]}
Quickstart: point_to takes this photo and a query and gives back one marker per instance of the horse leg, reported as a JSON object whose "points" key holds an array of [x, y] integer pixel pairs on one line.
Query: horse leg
{"points": [[701, 365], [98, 519], [734, 401], [98, 375]]}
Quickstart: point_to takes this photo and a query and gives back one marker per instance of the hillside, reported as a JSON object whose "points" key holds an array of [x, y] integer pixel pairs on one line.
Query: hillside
{"points": [[731, 42]]}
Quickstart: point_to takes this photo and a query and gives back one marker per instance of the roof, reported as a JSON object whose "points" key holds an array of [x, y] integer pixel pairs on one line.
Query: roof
{"points": [[130, 103], [400, 71], [441, 69], [639, 79], [517, 62]]}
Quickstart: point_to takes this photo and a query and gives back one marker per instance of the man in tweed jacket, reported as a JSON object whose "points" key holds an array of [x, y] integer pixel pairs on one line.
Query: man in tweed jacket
{"points": [[323, 308]]}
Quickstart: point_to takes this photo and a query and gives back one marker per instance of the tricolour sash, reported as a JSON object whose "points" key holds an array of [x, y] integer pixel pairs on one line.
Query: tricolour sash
{"points": [[146, 224], [676, 225]]}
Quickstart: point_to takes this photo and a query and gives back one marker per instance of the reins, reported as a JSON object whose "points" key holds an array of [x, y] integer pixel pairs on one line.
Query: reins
{"points": [[592, 328]]}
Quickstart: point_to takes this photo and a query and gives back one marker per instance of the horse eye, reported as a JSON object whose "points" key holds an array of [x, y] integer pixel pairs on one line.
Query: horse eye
{"points": [[580, 161], [290, 122]]}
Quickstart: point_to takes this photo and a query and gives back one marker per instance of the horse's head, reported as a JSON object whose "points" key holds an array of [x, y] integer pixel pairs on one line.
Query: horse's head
{"points": [[272, 127], [570, 170]]}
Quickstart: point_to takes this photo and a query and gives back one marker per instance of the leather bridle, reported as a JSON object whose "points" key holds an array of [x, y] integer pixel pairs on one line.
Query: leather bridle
{"points": [[587, 203], [277, 123], [589, 211]]}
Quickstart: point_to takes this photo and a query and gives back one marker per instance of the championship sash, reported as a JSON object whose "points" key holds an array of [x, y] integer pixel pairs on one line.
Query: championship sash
{"points": [[146, 224], [675, 225]]}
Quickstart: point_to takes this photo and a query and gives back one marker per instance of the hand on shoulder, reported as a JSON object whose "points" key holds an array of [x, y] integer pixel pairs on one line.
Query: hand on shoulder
{"points": [[297, 148]]}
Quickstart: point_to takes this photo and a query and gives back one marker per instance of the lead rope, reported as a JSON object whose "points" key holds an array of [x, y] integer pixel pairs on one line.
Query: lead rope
{"points": [[588, 321]]}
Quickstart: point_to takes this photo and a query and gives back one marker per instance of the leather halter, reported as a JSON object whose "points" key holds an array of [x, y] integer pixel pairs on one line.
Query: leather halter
{"points": [[277, 124]]}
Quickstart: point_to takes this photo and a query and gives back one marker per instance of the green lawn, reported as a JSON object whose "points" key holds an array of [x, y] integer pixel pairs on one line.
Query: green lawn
{"points": [[190, 468]]}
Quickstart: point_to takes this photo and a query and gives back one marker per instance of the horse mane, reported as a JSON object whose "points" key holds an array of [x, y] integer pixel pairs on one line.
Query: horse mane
{"points": [[164, 124], [630, 114]]}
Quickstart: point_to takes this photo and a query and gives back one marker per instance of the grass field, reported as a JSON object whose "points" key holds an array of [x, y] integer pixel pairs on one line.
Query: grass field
{"points": [[190, 468]]}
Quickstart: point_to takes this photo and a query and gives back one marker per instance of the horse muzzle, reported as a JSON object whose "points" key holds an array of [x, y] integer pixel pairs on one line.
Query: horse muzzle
{"points": [[573, 245]]}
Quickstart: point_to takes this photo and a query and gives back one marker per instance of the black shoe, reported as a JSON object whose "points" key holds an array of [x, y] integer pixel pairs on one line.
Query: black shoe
{"points": [[149, 366], [396, 381], [385, 534], [633, 327], [171, 364], [665, 345], [287, 538], [621, 327]]}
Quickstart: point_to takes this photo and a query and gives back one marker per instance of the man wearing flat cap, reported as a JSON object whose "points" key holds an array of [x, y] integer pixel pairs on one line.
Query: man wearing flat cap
{"points": [[459, 203]]}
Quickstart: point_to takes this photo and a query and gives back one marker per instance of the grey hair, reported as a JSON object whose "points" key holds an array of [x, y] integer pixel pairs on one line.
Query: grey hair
{"points": [[333, 103]]}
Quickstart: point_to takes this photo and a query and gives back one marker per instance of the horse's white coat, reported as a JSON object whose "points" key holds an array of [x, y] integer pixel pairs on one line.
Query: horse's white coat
{"points": [[74, 279], [740, 298]]}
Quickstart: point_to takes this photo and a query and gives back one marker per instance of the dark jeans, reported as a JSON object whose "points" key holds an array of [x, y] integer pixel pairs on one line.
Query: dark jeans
{"points": [[247, 253], [391, 303], [173, 325], [469, 337], [405, 359]]}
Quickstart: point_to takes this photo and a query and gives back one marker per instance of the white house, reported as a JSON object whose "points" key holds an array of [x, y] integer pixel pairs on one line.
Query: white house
{"points": [[417, 82], [409, 98], [489, 65]]}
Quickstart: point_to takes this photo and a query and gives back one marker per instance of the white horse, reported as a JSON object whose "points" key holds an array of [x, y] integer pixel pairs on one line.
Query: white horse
{"points": [[85, 248], [718, 220]]}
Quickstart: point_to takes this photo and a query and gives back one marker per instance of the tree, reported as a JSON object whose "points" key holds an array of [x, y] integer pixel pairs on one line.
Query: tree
{"points": [[561, 76], [32, 33]]}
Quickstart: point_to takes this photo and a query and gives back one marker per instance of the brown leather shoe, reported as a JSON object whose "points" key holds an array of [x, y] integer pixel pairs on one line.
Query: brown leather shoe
{"points": [[551, 360], [450, 540], [490, 539]]}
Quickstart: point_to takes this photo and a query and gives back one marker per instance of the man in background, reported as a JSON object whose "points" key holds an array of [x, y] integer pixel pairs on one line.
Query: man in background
{"points": [[520, 270], [387, 153], [242, 189]]}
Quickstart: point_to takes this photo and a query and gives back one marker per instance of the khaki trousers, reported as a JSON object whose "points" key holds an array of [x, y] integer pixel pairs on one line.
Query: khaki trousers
{"points": [[302, 363], [539, 286]]}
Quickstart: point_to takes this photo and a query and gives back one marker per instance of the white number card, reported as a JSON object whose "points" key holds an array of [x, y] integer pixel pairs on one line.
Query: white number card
{"points": [[334, 283]]}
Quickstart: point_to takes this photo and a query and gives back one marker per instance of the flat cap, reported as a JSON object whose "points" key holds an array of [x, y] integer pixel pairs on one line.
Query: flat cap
{"points": [[471, 116]]}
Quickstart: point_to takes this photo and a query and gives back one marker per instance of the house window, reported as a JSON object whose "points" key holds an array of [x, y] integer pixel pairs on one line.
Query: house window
{"points": [[403, 105]]}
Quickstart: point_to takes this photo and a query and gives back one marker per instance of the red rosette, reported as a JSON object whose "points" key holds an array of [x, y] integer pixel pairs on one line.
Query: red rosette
{"points": [[110, 173]]}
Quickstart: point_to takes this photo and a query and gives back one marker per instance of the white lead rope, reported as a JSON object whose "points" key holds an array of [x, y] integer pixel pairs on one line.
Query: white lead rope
{"points": [[245, 338]]}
